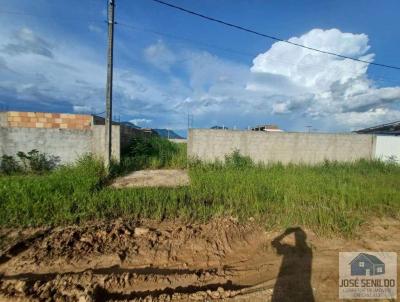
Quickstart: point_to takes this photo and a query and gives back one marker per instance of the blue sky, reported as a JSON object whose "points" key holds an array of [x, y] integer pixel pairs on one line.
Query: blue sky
{"points": [[167, 63]]}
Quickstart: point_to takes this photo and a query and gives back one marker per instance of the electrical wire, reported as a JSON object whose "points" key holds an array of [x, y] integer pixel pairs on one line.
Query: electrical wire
{"points": [[271, 37]]}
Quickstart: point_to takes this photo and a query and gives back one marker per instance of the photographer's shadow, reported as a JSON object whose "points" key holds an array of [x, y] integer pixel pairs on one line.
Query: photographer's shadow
{"points": [[294, 279]]}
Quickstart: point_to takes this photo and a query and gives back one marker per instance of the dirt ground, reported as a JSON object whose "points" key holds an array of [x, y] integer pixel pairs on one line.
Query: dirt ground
{"points": [[222, 260], [153, 178]]}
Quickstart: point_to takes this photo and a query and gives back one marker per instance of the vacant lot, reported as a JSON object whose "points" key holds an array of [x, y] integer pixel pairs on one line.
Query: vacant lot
{"points": [[331, 198], [67, 235]]}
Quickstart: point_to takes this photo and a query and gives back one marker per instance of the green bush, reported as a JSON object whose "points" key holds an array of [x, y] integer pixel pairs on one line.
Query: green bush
{"points": [[31, 162], [236, 160], [36, 161], [9, 165]]}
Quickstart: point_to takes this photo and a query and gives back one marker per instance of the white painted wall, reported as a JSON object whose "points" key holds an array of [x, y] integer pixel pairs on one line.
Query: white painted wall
{"points": [[387, 147]]}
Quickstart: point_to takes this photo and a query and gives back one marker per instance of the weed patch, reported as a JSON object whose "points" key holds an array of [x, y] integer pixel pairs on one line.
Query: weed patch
{"points": [[329, 198]]}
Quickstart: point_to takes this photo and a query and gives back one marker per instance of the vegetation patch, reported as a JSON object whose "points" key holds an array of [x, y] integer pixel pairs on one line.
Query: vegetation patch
{"points": [[31, 162], [329, 198], [151, 153]]}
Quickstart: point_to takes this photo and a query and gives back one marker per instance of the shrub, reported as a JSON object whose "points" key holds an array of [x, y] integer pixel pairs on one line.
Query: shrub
{"points": [[9, 165], [33, 161], [36, 161], [236, 160]]}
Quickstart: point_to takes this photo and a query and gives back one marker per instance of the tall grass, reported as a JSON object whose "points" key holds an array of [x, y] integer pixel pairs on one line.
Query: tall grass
{"points": [[329, 198], [151, 153], [50, 198]]}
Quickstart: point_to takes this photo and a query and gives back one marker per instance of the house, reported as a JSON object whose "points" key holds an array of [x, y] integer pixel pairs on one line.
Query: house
{"points": [[384, 129], [267, 128], [366, 265], [216, 127]]}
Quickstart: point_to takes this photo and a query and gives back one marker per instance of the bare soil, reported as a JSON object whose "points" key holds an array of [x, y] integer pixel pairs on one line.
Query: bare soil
{"points": [[153, 178], [222, 260]]}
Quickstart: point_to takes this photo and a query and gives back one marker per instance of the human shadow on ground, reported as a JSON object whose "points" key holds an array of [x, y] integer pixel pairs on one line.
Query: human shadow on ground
{"points": [[294, 279]]}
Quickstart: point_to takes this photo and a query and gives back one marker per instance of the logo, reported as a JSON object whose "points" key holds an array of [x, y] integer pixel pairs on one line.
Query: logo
{"points": [[367, 275]]}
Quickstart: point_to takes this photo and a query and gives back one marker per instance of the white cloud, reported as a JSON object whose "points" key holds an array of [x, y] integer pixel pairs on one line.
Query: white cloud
{"points": [[82, 109], [356, 120], [25, 41], [160, 56], [329, 86], [285, 84], [140, 121]]}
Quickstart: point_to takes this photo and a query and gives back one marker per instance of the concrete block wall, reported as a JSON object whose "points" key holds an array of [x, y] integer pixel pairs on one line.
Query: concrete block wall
{"points": [[16, 119], [67, 144], [3, 119], [98, 141], [67, 136], [308, 148]]}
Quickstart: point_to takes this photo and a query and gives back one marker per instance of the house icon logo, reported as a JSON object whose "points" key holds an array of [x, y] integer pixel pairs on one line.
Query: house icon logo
{"points": [[366, 265], [367, 275]]}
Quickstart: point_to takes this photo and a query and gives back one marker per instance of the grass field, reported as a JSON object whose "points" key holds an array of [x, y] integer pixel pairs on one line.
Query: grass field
{"points": [[328, 198]]}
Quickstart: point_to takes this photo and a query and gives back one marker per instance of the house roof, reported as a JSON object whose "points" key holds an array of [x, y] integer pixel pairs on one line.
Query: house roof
{"points": [[388, 129], [373, 259], [267, 127]]}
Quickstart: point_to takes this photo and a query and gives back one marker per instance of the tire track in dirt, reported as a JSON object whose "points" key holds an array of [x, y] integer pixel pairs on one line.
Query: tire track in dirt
{"points": [[173, 261]]}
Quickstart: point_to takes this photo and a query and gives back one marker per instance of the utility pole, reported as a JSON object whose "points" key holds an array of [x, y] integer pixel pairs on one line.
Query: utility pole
{"points": [[110, 54]]}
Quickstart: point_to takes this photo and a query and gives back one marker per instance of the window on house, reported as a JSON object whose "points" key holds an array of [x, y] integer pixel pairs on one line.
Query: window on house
{"points": [[379, 269], [361, 264]]}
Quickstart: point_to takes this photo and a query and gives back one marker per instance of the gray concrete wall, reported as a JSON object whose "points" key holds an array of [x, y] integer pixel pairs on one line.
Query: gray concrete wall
{"points": [[3, 119], [68, 144], [284, 147], [98, 141]]}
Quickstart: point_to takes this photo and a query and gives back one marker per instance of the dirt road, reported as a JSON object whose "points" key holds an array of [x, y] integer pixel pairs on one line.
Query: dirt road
{"points": [[173, 261]]}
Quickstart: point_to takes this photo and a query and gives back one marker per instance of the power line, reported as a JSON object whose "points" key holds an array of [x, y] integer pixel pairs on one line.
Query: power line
{"points": [[380, 78], [269, 36]]}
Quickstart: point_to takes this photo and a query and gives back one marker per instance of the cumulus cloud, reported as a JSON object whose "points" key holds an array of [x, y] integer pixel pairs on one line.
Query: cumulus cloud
{"points": [[374, 116], [319, 85], [285, 84]]}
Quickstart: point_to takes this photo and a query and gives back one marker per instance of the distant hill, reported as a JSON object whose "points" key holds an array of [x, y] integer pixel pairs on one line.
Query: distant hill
{"points": [[164, 133], [129, 124], [160, 132]]}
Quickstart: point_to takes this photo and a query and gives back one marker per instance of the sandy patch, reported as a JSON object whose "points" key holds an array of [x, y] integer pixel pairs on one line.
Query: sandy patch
{"points": [[153, 178]]}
